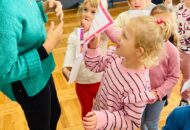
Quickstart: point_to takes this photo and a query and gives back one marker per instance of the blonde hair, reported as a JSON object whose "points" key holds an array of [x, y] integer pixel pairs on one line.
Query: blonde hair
{"points": [[162, 9], [149, 35], [93, 3]]}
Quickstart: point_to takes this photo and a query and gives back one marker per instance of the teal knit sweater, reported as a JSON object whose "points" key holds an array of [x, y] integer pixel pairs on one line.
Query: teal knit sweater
{"points": [[22, 32]]}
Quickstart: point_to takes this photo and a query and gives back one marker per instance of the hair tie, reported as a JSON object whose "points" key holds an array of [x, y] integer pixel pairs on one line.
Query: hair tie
{"points": [[159, 21]]}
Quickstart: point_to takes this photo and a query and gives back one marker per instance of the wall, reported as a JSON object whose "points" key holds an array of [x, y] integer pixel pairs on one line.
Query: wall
{"points": [[74, 3]]}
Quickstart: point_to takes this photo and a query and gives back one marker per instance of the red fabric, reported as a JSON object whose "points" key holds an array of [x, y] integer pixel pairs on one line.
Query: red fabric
{"points": [[86, 93]]}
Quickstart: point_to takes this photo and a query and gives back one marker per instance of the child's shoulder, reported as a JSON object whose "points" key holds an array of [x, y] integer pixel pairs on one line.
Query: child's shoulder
{"points": [[123, 14], [171, 50], [181, 112], [171, 46]]}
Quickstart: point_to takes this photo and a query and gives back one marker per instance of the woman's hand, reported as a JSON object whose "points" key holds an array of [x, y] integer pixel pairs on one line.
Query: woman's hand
{"points": [[56, 6], [53, 36]]}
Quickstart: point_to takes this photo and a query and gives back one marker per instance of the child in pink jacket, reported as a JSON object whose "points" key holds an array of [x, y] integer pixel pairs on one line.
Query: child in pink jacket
{"points": [[163, 77]]}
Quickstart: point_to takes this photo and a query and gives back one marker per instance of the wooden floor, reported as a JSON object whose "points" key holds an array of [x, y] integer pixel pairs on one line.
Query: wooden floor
{"points": [[11, 115]]}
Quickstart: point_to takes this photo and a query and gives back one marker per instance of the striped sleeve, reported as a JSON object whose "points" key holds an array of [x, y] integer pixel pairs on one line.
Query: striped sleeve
{"points": [[114, 34], [97, 62], [127, 118]]}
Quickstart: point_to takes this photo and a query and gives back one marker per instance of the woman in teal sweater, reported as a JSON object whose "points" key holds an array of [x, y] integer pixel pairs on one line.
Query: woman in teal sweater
{"points": [[26, 60]]}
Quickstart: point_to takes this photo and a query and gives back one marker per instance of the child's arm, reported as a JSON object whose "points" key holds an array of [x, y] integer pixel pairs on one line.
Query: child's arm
{"points": [[128, 117], [70, 51], [172, 76], [114, 33], [94, 60], [69, 55]]}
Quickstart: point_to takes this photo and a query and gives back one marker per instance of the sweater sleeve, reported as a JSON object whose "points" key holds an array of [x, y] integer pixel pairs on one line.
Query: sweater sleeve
{"points": [[173, 73], [97, 62], [15, 66], [44, 15], [127, 118], [114, 34], [71, 51]]}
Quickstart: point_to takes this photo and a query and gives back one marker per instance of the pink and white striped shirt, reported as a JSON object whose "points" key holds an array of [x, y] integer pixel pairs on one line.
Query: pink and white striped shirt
{"points": [[123, 92]]}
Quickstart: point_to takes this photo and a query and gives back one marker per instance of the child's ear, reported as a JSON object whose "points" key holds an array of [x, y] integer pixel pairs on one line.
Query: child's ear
{"points": [[140, 51]]}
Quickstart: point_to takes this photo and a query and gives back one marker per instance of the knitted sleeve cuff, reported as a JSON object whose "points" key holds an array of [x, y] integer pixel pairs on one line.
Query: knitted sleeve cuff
{"points": [[33, 62]]}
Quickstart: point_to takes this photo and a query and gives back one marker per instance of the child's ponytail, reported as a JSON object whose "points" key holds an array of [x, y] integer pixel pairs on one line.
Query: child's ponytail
{"points": [[166, 28]]}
